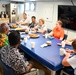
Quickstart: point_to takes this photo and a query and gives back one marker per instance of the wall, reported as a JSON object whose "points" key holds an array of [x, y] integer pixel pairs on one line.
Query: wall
{"points": [[3, 2], [43, 10], [49, 11], [70, 33]]}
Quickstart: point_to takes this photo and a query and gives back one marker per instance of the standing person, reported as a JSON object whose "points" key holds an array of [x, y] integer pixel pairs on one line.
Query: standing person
{"points": [[24, 21], [10, 54], [41, 27], [4, 29], [58, 31], [33, 23]]}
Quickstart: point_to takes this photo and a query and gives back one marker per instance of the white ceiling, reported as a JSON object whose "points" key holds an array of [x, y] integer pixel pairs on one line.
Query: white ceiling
{"points": [[34, 0]]}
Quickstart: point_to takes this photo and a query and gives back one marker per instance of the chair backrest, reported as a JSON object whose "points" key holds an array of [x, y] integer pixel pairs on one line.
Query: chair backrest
{"points": [[67, 71], [65, 36], [49, 30], [6, 69]]}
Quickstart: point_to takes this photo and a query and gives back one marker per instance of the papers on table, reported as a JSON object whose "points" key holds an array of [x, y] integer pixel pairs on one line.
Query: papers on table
{"points": [[44, 45]]}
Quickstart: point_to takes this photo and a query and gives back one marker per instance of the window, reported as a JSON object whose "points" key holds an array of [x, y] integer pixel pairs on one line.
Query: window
{"points": [[31, 6], [27, 6]]}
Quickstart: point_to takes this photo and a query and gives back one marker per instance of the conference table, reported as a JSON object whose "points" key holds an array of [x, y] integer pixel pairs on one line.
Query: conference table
{"points": [[48, 56]]}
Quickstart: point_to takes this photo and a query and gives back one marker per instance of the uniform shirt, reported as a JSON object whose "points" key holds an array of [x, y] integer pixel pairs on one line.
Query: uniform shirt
{"points": [[25, 20], [32, 25], [3, 40], [58, 33], [11, 57], [43, 27], [72, 61]]}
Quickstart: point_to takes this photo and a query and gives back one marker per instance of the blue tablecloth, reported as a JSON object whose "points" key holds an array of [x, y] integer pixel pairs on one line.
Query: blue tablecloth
{"points": [[48, 56]]}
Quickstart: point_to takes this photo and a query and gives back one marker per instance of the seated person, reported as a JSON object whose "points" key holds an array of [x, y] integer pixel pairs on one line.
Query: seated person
{"points": [[69, 60], [33, 23], [41, 27], [24, 21], [4, 29], [58, 31], [10, 54], [69, 41]]}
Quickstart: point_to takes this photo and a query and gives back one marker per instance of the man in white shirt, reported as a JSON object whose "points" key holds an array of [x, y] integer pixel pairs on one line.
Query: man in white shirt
{"points": [[24, 21], [70, 61]]}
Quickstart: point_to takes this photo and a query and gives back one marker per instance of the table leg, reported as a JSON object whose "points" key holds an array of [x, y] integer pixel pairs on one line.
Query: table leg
{"points": [[53, 72]]}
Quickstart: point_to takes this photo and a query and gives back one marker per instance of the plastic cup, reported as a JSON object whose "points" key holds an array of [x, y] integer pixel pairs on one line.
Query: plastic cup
{"points": [[26, 31], [25, 40], [46, 35], [62, 51], [63, 44], [28, 36], [19, 25], [32, 44]]}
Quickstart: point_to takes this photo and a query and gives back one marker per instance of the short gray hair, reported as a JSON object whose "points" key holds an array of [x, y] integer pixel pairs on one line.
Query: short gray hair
{"points": [[3, 27]]}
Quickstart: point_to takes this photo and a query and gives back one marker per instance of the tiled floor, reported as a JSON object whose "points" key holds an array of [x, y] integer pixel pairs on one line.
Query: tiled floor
{"points": [[41, 72], [36, 72]]}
